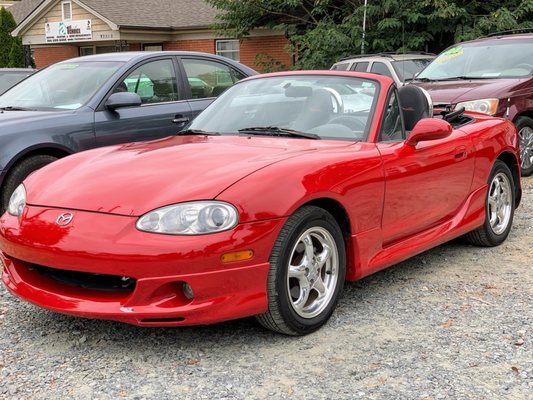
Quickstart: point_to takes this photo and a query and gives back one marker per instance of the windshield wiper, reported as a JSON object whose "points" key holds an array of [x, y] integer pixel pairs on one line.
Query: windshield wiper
{"points": [[451, 78], [276, 131], [197, 132], [15, 108]]}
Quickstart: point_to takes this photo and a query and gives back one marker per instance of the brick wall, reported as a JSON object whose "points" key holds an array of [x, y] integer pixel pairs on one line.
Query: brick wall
{"points": [[273, 46], [49, 55], [205, 45]]}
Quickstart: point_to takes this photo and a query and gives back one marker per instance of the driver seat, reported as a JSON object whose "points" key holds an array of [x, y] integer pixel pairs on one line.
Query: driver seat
{"points": [[415, 105], [317, 110]]}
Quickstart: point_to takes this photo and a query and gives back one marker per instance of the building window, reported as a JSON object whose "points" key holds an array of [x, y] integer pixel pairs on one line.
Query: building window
{"points": [[229, 49], [90, 50], [66, 10], [152, 47]]}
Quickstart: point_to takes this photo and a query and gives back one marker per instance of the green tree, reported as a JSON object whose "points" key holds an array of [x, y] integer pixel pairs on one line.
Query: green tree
{"points": [[322, 31], [16, 54], [7, 24]]}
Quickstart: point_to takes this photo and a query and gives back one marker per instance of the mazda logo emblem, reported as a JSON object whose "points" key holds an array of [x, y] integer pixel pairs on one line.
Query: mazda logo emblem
{"points": [[64, 219]]}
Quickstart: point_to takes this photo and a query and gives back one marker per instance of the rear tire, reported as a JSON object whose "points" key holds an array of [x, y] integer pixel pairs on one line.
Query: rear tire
{"points": [[499, 208], [307, 272], [18, 173], [524, 125]]}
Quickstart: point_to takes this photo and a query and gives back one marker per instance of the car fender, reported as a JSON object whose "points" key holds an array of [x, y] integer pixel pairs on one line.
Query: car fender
{"points": [[351, 176]]}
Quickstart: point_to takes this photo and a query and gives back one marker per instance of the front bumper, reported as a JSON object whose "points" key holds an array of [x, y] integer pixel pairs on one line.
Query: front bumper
{"points": [[107, 244]]}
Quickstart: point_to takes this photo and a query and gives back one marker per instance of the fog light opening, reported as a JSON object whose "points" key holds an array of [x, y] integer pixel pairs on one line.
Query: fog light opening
{"points": [[187, 291]]}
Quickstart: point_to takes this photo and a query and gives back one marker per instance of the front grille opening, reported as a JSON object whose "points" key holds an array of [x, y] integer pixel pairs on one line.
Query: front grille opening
{"points": [[87, 280]]}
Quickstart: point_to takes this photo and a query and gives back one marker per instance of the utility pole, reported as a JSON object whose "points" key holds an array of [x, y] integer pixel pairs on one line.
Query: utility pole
{"points": [[364, 29]]}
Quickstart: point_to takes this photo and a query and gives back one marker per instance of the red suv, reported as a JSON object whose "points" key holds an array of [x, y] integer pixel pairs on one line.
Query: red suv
{"points": [[493, 75]]}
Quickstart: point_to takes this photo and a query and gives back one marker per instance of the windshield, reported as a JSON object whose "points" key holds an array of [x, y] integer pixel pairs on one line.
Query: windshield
{"points": [[60, 86], [324, 107], [407, 69], [497, 59]]}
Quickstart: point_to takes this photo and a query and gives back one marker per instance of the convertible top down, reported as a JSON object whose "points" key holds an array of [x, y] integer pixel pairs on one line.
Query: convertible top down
{"points": [[282, 189]]}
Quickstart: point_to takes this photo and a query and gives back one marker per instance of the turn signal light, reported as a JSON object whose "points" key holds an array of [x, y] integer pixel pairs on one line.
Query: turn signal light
{"points": [[237, 256]]}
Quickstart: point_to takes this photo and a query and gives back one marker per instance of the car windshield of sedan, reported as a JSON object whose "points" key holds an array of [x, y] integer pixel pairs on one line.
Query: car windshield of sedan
{"points": [[407, 69], [482, 60], [313, 106], [60, 86]]}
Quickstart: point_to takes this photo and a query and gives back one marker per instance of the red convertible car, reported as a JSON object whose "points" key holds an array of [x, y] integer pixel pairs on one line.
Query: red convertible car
{"points": [[285, 187]]}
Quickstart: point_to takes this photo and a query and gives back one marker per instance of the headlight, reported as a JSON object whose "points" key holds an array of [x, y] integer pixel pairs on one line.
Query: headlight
{"points": [[486, 106], [17, 202], [194, 218]]}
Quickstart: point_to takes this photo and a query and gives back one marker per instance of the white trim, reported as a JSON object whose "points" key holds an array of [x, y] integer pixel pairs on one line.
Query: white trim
{"points": [[46, 5]]}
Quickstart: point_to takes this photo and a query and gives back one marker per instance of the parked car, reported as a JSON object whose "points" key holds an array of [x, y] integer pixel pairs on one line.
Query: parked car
{"points": [[9, 77], [400, 67], [277, 193], [492, 75], [103, 99]]}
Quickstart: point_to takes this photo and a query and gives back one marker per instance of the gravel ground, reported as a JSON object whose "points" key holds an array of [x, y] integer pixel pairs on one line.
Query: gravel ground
{"points": [[453, 323]]}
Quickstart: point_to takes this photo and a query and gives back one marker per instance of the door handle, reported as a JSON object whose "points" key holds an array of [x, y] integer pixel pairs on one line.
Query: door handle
{"points": [[460, 153], [180, 119]]}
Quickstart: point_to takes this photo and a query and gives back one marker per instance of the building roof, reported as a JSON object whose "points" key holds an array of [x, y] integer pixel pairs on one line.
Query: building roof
{"points": [[162, 14], [23, 8]]}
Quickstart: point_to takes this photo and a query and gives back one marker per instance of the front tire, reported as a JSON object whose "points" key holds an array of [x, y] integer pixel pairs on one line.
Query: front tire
{"points": [[499, 208], [524, 125], [18, 173], [307, 272]]}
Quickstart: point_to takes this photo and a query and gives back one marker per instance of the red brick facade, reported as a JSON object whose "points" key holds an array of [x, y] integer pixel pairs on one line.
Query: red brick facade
{"points": [[272, 46], [48, 55], [205, 45]]}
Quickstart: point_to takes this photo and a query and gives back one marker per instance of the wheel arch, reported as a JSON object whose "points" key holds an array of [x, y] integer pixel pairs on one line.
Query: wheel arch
{"points": [[525, 113], [510, 160], [340, 215], [50, 149]]}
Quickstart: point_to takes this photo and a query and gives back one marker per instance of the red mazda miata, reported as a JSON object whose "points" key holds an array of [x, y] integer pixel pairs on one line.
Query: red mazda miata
{"points": [[285, 187]]}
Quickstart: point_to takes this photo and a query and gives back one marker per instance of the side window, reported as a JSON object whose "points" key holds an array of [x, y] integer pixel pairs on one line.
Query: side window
{"points": [[340, 67], [392, 125], [360, 67], [209, 78], [380, 68], [154, 82]]}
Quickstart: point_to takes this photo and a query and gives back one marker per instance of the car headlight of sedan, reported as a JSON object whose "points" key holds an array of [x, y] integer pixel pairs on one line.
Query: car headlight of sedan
{"points": [[17, 202], [193, 218], [486, 106]]}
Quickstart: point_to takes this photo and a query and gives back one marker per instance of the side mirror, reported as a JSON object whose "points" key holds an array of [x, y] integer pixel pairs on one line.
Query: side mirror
{"points": [[428, 129], [122, 99]]}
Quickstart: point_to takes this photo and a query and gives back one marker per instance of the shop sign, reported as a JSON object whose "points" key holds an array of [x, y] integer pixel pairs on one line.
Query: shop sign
{"points": [[68, 31]]}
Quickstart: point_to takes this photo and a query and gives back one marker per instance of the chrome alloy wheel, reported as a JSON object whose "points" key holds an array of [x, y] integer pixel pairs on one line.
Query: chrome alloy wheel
{"points": [[313, 272], [499, 203], [526, 147]]}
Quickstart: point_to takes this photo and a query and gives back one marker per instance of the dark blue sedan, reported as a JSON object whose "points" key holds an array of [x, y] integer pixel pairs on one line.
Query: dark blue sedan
{"points": [[101, 100]]}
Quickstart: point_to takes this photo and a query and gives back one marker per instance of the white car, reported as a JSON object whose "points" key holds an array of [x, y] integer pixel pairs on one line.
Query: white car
{"points": [[400, 67]]}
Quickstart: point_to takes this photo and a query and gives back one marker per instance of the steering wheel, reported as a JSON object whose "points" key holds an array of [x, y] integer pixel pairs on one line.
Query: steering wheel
{"points": [[350, 122], [525, 66], [338, 99]]}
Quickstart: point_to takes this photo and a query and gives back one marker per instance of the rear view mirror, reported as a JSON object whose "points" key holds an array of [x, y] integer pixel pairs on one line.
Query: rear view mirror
{"points": [[298, 91], [428, 129], [122, 99]]}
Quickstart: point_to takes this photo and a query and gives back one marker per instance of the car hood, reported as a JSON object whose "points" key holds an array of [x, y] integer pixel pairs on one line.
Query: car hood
{"points": [[15, 118], [453, 92], [135, 178]]}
